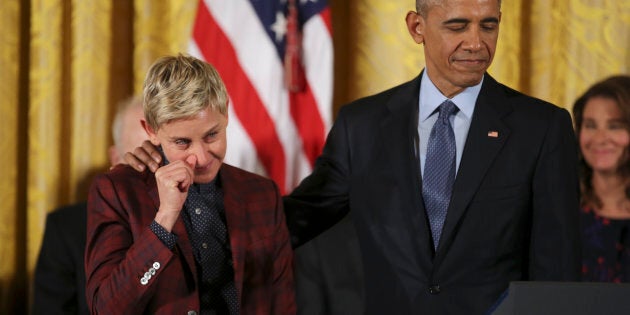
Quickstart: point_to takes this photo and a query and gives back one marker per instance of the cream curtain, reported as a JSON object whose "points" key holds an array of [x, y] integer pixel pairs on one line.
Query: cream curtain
{"points": [[65, 64], [11, 121]]}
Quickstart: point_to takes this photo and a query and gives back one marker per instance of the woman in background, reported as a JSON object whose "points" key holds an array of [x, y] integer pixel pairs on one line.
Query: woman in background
{"points": [[602, 121]]}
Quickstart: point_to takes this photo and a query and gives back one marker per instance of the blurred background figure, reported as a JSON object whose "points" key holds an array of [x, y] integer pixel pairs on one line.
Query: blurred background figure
{"points": [[127, 131], [602, 122], [59, 285], [329, 273]]}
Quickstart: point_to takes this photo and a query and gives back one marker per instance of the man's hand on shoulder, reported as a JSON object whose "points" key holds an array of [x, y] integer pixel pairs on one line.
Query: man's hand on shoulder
{"points": [[145, 155]]}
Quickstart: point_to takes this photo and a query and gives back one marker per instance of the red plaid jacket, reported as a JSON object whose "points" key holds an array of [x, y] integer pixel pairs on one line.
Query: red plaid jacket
{"points": [[121, 249]]}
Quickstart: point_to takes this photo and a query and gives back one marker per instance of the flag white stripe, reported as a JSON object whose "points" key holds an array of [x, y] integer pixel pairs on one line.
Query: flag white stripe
{"points": [[252, 45], [318, 64], [257, 56]]}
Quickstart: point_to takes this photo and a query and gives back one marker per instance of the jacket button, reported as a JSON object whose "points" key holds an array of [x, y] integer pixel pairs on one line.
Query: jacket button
{"points": [[434, 289]]}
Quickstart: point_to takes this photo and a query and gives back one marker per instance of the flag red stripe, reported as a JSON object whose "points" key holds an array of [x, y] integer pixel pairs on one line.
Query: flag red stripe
{"points": [[217, 49], [325, 14], [309, 123], [305, 112]]}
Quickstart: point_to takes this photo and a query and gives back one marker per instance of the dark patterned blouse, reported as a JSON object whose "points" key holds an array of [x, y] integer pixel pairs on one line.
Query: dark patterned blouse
{"points": [[606, 248]]}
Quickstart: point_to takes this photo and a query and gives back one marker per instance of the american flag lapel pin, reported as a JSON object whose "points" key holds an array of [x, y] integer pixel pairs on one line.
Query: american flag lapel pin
{"points": [[493, 134]]}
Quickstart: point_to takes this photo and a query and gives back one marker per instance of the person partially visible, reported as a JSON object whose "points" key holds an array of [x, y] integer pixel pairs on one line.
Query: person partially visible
{"points": [[198, 236], [59, 283], [329, 273], [127, 130], [602, 123]]}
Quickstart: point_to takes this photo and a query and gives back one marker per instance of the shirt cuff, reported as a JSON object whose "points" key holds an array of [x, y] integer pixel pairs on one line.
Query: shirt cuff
{"points": [[169, 239]]}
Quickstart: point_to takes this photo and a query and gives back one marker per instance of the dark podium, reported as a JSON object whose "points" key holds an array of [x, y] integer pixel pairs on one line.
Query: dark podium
{"points": [[559, 298]]}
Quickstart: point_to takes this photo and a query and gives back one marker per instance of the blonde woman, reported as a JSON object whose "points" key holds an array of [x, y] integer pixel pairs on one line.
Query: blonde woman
{"points": [[197, 236]]}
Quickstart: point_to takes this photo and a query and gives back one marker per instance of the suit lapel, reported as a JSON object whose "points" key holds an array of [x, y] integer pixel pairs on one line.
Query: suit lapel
{"points": [[183, 242], [234, 210], [399, 138], [486, 136]]}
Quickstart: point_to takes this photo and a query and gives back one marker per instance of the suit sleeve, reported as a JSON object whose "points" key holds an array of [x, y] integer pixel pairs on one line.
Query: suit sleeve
{"points": [[116, 260], [555, 249], [321, 199]]}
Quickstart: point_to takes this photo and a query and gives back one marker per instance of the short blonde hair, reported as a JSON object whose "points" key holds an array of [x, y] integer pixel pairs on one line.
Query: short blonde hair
{"points": [[181, 86]]}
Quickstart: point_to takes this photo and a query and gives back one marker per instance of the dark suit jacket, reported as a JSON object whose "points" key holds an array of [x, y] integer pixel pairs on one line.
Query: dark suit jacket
{"points": [[513, 213], [121, 247], [59, 285], [329, 274]]}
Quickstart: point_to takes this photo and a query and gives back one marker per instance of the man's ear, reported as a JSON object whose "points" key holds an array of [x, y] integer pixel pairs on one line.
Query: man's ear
{"points": [[415, 26], [150, 132], [114, 157]]}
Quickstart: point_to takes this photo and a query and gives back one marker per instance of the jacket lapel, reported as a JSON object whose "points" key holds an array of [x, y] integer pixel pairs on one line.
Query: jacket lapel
{"points": [[234, 210], [486, 136], [399, 138], [184, 246]]}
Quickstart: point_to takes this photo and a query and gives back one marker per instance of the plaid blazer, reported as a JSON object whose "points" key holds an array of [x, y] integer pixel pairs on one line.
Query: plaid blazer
{"points": [[122, 250]]}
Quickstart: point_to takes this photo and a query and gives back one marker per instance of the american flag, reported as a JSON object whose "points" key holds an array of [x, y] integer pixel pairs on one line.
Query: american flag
{"points": [[275, 58]]}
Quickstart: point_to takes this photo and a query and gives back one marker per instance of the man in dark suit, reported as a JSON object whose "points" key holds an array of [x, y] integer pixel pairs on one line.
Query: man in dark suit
{"points": [[197, 236], [59, 283], [510, 210], [456, 184]]}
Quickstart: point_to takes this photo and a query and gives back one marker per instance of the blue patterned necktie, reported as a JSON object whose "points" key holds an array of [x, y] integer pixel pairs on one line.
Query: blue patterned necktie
{"points": [[439, 170]]}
